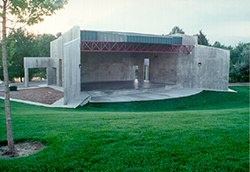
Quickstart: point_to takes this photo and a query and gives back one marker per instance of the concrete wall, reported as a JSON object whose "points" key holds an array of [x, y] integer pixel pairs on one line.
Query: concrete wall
{"points": [[206, 68], [36, 62], [66, 61], [213, 67], [187, 39], [56, 53], [162, 68], [72, 84], [97, 67]]}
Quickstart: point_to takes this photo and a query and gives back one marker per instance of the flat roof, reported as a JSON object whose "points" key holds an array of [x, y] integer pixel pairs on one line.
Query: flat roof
{"points": [[110, 36]]}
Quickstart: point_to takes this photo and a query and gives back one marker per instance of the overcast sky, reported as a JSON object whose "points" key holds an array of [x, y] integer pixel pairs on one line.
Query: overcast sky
{"points": [[227, 21]]}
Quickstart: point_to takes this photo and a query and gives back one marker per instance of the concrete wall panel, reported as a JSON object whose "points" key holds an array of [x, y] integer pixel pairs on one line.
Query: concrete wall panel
{"points": [[162, 69], [206, 67], [98, 67], [215, 69], [37, 62], [72, 82], [187, 71], [57, 53], [65, 56]]}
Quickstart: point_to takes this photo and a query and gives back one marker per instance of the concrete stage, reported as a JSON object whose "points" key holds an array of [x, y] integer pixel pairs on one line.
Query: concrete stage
{"points": [[127, 91], [122, 91]]}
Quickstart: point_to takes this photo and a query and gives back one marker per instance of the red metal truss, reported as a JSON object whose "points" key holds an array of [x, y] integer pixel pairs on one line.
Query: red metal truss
{"points": [[99, 46]]}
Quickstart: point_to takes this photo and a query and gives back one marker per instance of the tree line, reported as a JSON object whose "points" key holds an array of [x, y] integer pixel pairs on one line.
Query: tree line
{"points": [[21, 44]]}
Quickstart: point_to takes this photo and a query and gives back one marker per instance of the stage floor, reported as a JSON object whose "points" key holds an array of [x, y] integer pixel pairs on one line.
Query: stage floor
{"points": [[127, 91]]}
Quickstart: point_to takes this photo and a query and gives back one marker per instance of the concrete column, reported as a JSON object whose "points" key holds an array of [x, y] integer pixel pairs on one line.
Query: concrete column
{"points": [[146, 72], [51, 76], [146, 69], [47, 76], [140, 72], [26, 77]]}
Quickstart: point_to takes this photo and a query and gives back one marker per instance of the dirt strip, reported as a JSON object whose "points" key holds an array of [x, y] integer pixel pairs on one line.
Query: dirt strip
{"points": [[43, 95]]}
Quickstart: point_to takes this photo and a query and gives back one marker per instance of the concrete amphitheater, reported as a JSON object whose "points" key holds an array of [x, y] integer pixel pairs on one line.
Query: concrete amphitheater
{"points": [[104, 66]]}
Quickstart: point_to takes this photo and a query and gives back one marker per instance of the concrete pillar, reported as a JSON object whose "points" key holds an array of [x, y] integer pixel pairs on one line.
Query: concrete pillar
{"points": [[51, 76], [141, 71], [26, 77], [146, 72], [146, 69], [47, 76]]}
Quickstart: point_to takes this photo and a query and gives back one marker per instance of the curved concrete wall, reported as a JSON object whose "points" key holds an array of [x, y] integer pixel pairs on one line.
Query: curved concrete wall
{"points": [[206, 67]]}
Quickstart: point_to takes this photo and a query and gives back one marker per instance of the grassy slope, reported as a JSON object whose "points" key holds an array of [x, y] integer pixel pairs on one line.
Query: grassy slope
{"points": [[205, 132], [203, 101]]}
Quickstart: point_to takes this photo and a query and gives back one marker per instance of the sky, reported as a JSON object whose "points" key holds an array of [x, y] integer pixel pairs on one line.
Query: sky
{"points": [[226, 21]]}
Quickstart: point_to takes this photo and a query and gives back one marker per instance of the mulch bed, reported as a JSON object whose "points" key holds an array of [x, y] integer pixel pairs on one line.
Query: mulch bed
{"points": [[23, 149], [43, 95]]}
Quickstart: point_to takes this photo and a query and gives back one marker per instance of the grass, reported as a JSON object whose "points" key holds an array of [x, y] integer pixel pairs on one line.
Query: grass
{"points": [[204, 101], [205, 132]]}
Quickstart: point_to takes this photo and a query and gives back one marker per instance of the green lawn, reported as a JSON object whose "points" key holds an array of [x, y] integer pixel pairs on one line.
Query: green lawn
{"points": [[204, 132]]}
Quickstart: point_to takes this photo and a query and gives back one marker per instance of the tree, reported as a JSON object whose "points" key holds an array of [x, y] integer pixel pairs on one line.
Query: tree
{"points": [[28, 12], [239, 63], [176, 29], [217, 44], [42, 44], [202, 40], [20, 44]]}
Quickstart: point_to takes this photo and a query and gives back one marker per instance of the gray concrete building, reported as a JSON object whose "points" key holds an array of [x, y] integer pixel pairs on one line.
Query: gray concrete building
{"points": [[81, 61]]}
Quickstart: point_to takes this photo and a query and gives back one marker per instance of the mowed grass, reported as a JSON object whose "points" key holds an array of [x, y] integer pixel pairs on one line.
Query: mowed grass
{"points": [[204, 132]]}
